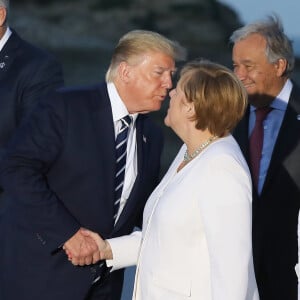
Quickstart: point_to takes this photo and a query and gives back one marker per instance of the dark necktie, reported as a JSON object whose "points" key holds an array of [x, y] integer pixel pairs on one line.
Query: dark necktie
{"points": [[256, 142], [121, 147]]}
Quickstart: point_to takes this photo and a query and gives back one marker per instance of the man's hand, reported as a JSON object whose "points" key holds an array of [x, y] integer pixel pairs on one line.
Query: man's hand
{"points": [[81, 249], [103, 245]]}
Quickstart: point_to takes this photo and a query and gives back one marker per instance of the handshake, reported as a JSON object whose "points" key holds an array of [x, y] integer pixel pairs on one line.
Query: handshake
{"points": [[86, 247]]}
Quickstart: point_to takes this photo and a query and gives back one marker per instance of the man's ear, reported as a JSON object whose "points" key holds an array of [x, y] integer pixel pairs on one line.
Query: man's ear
{"points": [[3, 14], [281, 66], [124, 71]]}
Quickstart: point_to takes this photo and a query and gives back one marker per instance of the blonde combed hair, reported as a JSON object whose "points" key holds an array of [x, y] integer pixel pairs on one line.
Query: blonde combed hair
{"points": [[138, 42]]}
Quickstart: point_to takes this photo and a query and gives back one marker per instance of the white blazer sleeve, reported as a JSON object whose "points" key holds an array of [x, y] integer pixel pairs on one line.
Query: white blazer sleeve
{"points": [[226, 211], [125, 250], [297, 266]]}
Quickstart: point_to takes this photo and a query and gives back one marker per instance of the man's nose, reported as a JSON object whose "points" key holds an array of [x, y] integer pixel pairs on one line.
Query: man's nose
{"points": [[167, 82], [241, 73]]}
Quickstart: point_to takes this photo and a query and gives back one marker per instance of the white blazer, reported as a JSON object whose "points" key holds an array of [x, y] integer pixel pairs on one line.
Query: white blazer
{"points": [[196, 238], [297, 267]]}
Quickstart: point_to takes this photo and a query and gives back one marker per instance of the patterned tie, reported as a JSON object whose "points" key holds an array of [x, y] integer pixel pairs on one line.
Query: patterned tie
{"points": [[121, 147], [256, 142]]}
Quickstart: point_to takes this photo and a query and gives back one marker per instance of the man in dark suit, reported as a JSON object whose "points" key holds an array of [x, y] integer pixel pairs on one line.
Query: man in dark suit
{"points": [[263, 60], [26, 74], [60, 171]]}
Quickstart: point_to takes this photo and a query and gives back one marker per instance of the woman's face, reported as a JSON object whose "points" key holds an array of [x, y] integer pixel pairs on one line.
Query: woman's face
{"points": [[178, 108]]}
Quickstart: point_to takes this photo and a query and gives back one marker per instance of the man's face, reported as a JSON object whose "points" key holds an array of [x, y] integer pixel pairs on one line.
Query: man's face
{"points": [[2, 21], [148, 82], [261, 78]]}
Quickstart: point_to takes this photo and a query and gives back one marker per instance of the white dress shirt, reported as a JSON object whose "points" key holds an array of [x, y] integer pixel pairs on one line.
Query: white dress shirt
{"points": [[5, 37], [119, 111]]}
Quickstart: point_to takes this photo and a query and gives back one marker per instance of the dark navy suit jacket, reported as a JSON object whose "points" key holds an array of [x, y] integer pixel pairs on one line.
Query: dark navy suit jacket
{"points": [[59, 174], [275, 211], [27, 73]]}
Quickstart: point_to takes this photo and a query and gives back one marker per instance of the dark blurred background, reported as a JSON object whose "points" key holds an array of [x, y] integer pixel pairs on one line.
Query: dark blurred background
{"points": [[82, 34]]}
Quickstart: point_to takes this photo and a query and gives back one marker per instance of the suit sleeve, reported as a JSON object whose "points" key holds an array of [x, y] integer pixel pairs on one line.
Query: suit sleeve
{"points": [[23, 175], [227, 221], [40, 77]]}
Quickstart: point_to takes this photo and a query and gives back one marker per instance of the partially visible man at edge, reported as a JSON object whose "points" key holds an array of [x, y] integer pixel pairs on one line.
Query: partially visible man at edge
{"points": [[27, 73], [263, 59], [60, 171]]}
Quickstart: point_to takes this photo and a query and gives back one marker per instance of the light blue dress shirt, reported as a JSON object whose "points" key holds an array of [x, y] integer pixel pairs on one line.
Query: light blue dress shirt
{"points": [[271, 126]]}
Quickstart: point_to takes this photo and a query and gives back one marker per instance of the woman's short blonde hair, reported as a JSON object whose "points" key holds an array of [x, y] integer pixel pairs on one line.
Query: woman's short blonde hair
{"points": [[219, 98], [138, 42]]}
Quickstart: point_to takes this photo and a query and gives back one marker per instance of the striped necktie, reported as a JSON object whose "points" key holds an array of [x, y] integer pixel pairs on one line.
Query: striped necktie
{"points": [[121, 151]]}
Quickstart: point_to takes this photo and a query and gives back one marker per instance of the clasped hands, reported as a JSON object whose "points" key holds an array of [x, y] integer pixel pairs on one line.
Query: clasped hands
{"points": [[86, 247]]}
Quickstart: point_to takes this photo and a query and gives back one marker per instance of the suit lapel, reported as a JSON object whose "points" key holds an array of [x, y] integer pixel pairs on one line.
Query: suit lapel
{"points": [[105, 142], [241, 134], [9, 53], [287, 139]]}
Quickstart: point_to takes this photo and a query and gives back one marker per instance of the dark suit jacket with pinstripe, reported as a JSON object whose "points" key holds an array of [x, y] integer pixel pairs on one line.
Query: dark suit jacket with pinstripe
{"points": [[27, 73], [59, 174], [275, 211]]}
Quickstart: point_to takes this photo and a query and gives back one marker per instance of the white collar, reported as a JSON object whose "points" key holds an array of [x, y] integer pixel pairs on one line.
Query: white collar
{"points": [[5, 37], [119, 109]]}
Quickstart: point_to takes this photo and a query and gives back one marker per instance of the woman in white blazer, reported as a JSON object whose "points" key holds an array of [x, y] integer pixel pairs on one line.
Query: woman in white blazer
{"points": [[196, 237]]}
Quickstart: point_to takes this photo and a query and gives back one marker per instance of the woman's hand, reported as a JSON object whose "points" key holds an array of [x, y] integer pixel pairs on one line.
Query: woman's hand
{"points": [[103, 245], [81, 249]]}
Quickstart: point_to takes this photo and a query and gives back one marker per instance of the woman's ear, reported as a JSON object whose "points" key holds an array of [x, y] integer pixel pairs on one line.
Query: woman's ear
{"points": [[190, 109]]}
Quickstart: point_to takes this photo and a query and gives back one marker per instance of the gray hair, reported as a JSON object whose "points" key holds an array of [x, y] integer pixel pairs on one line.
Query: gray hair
{"points": [[137, 42], [279, 46], [5, 4]]}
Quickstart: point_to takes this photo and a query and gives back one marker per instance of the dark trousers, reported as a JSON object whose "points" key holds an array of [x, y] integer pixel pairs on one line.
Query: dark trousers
{"points": [[109, 289]]}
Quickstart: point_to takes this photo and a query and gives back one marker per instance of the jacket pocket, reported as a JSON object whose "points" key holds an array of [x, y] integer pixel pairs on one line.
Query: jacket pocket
{"points": [[173, 283]]}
